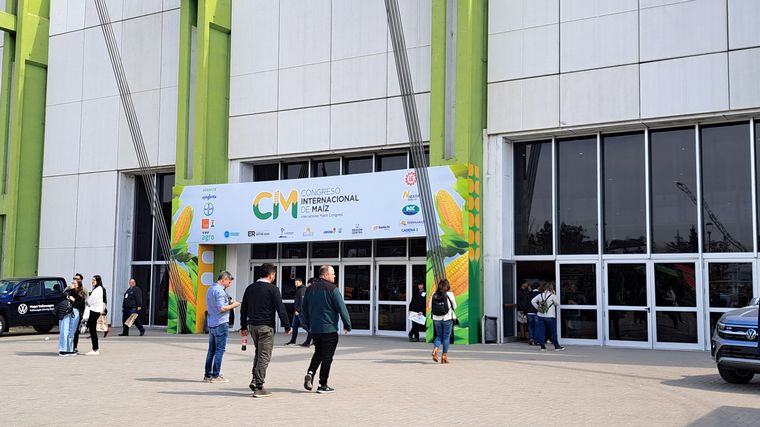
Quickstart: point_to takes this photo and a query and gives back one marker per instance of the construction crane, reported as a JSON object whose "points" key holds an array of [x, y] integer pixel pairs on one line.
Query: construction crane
{"points": [[719, 225]]}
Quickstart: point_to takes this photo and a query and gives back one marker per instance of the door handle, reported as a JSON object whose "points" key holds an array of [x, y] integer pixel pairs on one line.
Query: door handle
{"points": [[649, 310]]}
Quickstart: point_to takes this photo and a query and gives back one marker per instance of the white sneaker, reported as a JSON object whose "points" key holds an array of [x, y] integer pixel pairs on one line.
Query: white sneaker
{"points": [[92, 353]]}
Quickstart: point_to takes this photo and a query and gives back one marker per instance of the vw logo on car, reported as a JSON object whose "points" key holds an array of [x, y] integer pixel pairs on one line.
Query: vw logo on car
{"points": [[23, 309], [751, 334]]}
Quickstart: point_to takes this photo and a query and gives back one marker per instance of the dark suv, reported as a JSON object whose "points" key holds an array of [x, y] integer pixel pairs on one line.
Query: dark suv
{"points": [[30, 301], [734, 344]]}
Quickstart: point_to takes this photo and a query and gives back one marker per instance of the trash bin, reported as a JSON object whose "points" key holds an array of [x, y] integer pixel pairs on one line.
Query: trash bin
{"points": [[490, 329]]}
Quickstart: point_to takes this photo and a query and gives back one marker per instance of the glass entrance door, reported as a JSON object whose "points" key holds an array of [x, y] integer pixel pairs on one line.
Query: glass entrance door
{"points": [[286, 281], [677, 301], [627, 304], [578, 292], [356, 285], [729, 286], [391, 299]]}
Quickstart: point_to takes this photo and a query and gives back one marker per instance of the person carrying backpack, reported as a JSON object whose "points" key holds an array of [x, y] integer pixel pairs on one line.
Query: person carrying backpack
{"points": [[546, 304], [442, 305]]}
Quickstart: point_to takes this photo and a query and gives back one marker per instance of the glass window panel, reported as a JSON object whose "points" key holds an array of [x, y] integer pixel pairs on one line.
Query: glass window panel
{"points": [[675, 285], [390, 248], [295, 170], [726, 188], [160, 294], [425, 158], [757, 165], [165, 185], [627, 284], [325, 249], [714, 317], [417, 247], [418, 274], [269, 172], [389, 162], [578, 324], [533, 198], [288, 277], [33, 289], [143, 227], [628, 325], [577, 284], [330, 167], [357, 249], [53, 287], [141, 274], [292, 250], [264, 251], [359, 314], [730, 284], [356, 165], [391, 282], [677, 326], [356, 284], [391, 317], [624, 189], [674, 189], [577, 198], [535, 272]]}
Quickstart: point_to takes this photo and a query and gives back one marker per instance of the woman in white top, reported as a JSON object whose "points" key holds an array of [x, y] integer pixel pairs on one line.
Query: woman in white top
{"points": [[96, 302], [441, 308], [546, 303]]}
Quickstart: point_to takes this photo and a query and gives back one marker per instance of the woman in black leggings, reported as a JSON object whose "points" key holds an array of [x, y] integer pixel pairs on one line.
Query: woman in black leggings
{"points": [[97, 304]]}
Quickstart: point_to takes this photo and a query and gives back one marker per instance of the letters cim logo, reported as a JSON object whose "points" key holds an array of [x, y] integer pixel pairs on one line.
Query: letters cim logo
{"points": [[278, 198]]}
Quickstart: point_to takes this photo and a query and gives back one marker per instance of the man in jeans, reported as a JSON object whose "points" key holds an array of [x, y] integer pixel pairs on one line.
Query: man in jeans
{"points": [[219, 306], [322, 304], [260, 302], [297, 301]]}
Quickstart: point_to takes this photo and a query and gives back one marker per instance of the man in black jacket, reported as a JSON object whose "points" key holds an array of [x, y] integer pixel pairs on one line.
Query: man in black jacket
{"points": [[297, 301], [260, 302], [132, 304]]}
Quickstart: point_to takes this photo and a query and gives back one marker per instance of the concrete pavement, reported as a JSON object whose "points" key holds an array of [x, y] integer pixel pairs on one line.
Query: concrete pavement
{"points": [[156, 380]]}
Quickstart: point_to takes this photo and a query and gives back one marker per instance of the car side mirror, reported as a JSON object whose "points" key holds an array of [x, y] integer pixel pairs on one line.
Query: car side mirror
{"points": [[20, 294]]}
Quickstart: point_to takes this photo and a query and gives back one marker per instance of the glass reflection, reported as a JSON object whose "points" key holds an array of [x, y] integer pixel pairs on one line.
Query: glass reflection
{"points": [[730, 284], [726, 188], [325, 167], [624, 194], [391, 317], [359, 314], [357, 248], [577, 284], [628, 325], [356, 284], [325, 249], [674, 187], [675, 285], [627, 284], [580, 324], [576, 200], [533, 198], [288, 277], [392, 283], [677, 326]]}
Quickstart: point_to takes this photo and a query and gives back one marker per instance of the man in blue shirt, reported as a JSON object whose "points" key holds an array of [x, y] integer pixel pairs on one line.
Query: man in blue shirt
{"points": [[218, 305]]}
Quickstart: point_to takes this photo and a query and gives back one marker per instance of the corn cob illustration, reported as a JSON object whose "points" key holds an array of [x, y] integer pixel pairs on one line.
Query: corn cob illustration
{"points": [[182, 225], [457, 273], [183, 289], [450, 213]]}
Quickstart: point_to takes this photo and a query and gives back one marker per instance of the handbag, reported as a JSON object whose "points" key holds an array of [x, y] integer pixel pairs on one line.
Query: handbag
{"points": [[102, 325], [453, 312], [63, 309]]}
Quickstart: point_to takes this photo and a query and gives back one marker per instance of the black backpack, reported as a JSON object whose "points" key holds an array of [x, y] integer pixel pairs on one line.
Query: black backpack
{"points": [[63, 309], [439, 304]]}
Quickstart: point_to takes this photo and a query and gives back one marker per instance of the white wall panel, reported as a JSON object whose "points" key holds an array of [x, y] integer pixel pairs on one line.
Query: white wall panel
{"points": [[147, 109], [643, 4], [523, 104], [100, 261], [167, 127], [115, 11], [253, 93], [583, 9], [141, 52], [743, 28], [142, 7], [359, 78], [253, 135], [397, 132], [169, 48], [65, 62], [304, 86], [683, 86], [744, 69], [96, 210], [75, 13], [56, 262], [304, 32], [600, 42], [58, 211], [416, 16], [304, 130], [508, 15], [359, 28], [100, 134], [523, 53], [419, 67], [681, 29], [174, 4], [98, 78], [358, 124], [62, 125], [255, 36], [604, 95]]}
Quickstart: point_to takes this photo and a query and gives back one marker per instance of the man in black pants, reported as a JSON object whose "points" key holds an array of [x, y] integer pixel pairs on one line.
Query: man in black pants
{"points": [[297, 302], [322, 304], [132, 304]]}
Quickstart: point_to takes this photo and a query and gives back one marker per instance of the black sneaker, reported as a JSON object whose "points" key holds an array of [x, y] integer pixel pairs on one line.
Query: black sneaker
{"points": [[307, 381], [325, 389], [559, 348], [253, 387], [142, 332], [289, 343], [304, 345]]}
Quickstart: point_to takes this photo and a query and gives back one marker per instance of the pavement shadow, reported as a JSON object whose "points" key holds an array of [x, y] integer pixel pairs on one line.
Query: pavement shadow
{"points": [[37, 353], [168, 380], [713, 382], [403, 362], [209, 393], [728, 416]]}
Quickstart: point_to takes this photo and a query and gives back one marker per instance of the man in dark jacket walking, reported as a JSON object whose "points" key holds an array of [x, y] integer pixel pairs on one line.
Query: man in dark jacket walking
{"points": [[297, 302], [260, 302], [132, 304], [322, 304]]}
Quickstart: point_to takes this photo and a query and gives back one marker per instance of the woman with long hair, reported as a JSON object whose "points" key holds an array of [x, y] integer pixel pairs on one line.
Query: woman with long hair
{"points": [[442, 305], [97, 304], [68, 325]]}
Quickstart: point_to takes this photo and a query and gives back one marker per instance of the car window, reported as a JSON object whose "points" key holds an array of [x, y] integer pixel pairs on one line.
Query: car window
{"points": [[33, 289], [52, 287], [7, 286]]}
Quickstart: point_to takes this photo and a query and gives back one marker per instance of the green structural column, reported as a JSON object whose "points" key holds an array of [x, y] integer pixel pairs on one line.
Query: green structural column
{"points": [[22, 133], [466, 60]]}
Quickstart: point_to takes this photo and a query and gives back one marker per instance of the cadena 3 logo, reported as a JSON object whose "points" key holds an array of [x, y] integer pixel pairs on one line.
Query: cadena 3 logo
{"points": [[263, 210]]}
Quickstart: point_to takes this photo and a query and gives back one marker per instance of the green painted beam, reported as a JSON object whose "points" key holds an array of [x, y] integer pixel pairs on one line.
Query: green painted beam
{"points": [[7, 22]]}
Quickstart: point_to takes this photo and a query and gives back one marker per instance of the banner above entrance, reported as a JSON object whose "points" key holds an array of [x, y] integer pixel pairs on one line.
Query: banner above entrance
{"points": [[349, 207]]}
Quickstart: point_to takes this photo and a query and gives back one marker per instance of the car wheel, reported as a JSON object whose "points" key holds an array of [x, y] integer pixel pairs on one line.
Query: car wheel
{"points": [[2, 324], [43, 328], [735, 376]]}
